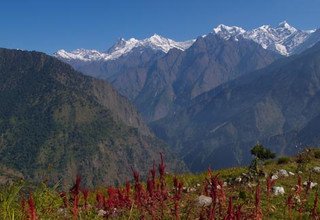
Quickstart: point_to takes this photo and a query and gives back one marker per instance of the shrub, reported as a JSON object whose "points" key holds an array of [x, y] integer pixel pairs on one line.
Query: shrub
{"points": [[242, 195], [317, 154], [261, 154], [304, 156], [268, 162], [283, 160]]}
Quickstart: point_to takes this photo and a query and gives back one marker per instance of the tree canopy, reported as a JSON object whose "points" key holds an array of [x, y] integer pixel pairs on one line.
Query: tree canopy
{"points": [[262, 153]]}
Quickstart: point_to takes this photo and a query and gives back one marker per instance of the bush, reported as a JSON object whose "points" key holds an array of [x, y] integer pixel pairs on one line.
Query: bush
{"points": [[283, 160], [268, 162], [242, 195], [317, 154], [304, 157]]}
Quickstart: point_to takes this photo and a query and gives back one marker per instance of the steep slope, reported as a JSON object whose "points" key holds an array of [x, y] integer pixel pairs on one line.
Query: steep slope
{"points": [[182, 75], [160, 75], [56, 123], [160, 81], [125, 64], [312, 39], [278, 106]]}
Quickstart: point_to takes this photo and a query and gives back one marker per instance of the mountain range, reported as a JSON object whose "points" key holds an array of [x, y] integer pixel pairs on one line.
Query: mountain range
{"points": [[159, 75], [283, 39], [278, 106], [210, 99], [176, 90], [124, 47], [134, 62]]}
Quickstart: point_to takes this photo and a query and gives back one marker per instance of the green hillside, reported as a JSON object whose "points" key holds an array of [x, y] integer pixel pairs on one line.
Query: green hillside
{"points": [[239, 194], [56, 123]]}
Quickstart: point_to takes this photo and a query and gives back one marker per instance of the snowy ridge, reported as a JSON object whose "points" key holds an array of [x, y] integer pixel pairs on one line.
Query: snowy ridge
{"points": [[123, 47], [79, 54], [227, 32], [283, 39]]}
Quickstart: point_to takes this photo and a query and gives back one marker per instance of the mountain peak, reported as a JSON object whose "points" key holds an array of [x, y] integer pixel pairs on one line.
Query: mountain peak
{"points": [[156, 36], [264, 27], [158, 42], [282, 39], [78, 54], [120, 44], [227, 32], [222, 28], [287, 26], [284, 24]]}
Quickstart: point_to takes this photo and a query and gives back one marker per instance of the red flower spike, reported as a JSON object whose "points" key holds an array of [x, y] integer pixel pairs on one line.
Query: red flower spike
{"points": [[85, 193], [100, 200], [290, 204], [230, 214], [150, 187], [270, 184], [299, 186], [314, 213], [76, 188], [63, 195], [136, 175], [162, 166], [75, 210], [258, 210], [239, 213], [32, 208]]}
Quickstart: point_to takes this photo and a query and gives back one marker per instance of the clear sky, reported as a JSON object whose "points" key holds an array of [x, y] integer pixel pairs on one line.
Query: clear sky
{"points": [[49, 25]]}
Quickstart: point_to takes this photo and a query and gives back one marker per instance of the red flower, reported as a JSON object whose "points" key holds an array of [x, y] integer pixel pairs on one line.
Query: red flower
{"points": [[32, 208]]}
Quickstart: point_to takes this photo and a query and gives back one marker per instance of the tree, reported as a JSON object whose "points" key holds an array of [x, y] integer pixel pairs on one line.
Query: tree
{"points": [[261, 154]]}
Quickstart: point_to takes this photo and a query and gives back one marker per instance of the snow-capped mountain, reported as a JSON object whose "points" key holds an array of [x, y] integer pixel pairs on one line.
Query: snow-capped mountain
{"points": [[283, 39], [227, 32], [123, 47], [80, 54]]}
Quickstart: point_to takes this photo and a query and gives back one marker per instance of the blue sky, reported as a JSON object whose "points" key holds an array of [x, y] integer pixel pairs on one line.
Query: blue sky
{"points": [[48, 25]]}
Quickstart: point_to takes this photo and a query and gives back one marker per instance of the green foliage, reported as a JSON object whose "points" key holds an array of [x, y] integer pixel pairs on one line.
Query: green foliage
{"points": [[303, 158], [56, 122], [242, 195], [262, 153], [9, 201], [268, 162], [253, 168], [283, 160], [317, 154]]}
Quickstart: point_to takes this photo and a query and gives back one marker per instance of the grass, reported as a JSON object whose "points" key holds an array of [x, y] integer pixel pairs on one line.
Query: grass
{"points": [[165, 196]]}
